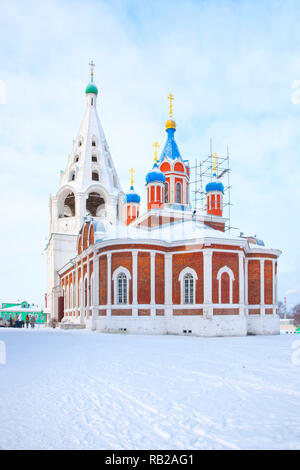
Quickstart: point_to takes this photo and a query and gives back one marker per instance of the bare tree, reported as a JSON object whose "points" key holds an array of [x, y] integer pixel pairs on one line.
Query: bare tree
{"points": [[296, 314]]}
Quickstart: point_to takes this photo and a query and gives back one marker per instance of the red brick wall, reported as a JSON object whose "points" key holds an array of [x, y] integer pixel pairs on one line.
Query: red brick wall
{"points": [[254, 282], [268, 282], [144, 278], [232, 261], [188, 311], [225, 289], [226, 311], [184, 260], [121, 312], [159, 279], [121, 259], [160, 312], [103, 280], [144, 312]]}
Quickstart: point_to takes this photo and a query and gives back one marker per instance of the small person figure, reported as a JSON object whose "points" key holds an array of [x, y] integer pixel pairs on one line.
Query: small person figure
{"points": [[21, 321], [10, 321], [32, 321], [27, 320]]}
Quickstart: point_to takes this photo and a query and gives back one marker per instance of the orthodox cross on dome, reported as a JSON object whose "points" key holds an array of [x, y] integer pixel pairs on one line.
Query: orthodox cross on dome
{"points": [[92, 66], [171, 98], [156, 146], [215, 164], [131, 171]]}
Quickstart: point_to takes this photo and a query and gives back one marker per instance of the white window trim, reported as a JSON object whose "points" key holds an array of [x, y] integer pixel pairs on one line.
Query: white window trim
{"points": [[181, 280], [116, 272], [225, 269]]}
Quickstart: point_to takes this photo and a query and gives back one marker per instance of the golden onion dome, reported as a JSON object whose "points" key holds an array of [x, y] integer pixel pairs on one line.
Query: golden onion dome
{"points": [[170, 124]]}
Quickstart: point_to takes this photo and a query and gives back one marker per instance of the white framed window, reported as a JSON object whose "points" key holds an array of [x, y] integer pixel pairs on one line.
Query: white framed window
{"points": [[178, 193], [121, 279], [188, 287], [187, 279], [228, 271], [166, 198], [122, 297]]}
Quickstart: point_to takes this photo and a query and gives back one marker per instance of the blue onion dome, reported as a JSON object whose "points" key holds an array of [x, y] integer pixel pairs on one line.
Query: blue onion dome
{"points": [[214, 186], [155, 175], [91, 88], [132, 196]]}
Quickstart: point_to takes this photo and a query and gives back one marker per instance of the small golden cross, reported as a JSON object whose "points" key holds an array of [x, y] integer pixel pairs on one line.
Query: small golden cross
{"points": [[215, 163], [171, 98], [131, 171], [156, 146]]}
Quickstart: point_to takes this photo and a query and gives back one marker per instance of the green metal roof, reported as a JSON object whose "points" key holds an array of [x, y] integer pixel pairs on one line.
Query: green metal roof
{"points": [[91, 88]]}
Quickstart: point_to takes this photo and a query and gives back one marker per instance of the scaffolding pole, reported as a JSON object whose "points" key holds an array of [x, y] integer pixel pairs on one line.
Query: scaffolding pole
{"points": [[202, 173]]}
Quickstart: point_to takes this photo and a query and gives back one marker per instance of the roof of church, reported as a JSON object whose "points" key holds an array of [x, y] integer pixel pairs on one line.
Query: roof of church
{"points": [[184, 231], [170, 149], [177, 231], [132, 196], [155, 175], [91, 88], [214, 186]]}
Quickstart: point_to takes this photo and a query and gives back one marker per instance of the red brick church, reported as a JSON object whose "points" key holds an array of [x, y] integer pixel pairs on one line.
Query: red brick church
{"points": [[170, 270]]}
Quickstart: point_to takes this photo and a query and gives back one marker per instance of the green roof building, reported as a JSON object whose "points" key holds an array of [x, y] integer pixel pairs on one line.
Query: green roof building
{"points": [[10, 310]]}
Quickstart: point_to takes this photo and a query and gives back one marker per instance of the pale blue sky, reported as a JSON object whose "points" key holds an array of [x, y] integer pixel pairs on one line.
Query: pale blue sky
{"points": [[230, 65]]}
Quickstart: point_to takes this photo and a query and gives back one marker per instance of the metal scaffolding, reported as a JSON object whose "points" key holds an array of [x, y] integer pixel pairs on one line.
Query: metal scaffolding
{"points": [[201, 174]]}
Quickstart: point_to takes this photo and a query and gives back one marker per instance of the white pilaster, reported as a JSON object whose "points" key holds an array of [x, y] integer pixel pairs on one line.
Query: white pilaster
{"points": [[168, 284], [152, 267], [207, 283], [274, 282], [241, 284], [82, 295], [76, 290], [108, 284], [95, 293], [88, 299], [134, 283], [262, 287]]}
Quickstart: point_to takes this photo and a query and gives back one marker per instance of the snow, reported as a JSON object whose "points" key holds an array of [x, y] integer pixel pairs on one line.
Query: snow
{"points": [[87, 390]]}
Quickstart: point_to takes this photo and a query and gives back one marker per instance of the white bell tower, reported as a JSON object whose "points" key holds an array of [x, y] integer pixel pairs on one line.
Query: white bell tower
{"points": [[89, 186]]}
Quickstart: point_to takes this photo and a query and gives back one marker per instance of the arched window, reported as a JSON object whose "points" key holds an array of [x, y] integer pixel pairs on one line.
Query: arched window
{"points": [[166, 192], [225, 277], [93, 143], [69, 206], [122, 289], [121, 278], [95, 204], [95, 176], [72, 176], [94, 158], [178, 193], [188, 278], [76, 159], [188, 289]]}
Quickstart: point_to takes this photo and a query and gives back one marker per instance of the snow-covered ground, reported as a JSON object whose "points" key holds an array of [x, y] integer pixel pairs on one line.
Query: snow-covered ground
{"points": [[79, 389]]}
